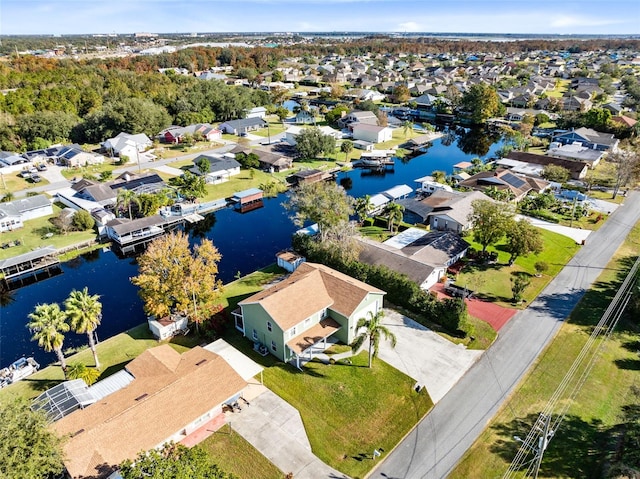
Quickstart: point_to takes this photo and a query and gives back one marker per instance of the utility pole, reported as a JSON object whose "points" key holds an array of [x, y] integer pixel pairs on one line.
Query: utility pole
{"points": [[543, 442]]}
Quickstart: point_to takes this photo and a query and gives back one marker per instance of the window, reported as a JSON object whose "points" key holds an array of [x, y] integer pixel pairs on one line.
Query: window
{"points": [[293, 331], [255, 335], [273, 346], [269, 326], [324, 313], [307, 321]]}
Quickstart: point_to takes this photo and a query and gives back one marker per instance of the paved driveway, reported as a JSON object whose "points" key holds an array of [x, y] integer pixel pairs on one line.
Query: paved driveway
{"points": [[577, 234], [434, 362], [275, 428]]}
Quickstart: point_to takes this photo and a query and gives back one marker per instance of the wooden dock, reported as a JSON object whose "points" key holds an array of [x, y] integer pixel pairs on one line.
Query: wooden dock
{"points": [[29, 264]]}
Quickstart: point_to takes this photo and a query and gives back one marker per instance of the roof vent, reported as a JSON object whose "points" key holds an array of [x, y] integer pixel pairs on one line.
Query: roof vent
{"points": [[140, 398], [79, 431], [202, 361]]}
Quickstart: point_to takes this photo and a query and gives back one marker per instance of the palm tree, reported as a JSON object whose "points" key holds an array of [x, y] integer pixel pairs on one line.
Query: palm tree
{"points": [[373, 331], [48, 323], [346, 148], [363, 207], [126, 198], [407, 126], [85, 312], [394, 214], [82, 371]]}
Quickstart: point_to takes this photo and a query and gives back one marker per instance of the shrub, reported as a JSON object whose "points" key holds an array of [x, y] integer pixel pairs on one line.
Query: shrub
{"points": [[82, 220]]}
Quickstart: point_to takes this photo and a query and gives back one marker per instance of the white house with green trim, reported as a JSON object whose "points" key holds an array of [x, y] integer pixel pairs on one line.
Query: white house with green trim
{"points": [[294, 318]]}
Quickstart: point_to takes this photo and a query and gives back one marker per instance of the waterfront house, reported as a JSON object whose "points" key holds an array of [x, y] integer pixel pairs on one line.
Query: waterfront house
{"points": [[421, 255], [444, 210], [165, 397], [294, 318]]}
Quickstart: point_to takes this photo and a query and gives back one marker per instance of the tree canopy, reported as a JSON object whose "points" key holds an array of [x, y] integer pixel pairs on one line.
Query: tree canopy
{"points": [[28, 448], [189, 186], [483, 102], [311, 143], [172, 278], [173, 461], [522, 239], [324, 203], [490, 221]]}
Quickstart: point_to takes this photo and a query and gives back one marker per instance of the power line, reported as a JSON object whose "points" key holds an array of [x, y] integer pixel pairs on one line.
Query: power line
{"points": [[545, 427]]}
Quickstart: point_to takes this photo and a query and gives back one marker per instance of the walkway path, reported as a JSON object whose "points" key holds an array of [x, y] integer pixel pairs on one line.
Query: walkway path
{"points": [[577, 234], [440, 440], [275, 428]]}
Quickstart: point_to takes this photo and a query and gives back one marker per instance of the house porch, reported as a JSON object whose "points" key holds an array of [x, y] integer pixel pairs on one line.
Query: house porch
{"points": [[313, 342]]}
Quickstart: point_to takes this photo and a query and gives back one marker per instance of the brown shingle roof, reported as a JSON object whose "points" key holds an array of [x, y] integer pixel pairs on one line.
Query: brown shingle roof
{"points": [[311, 288], [170, 390]]}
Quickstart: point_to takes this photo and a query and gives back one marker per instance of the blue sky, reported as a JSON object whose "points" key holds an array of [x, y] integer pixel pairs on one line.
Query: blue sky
{"points": [[473, 16]]}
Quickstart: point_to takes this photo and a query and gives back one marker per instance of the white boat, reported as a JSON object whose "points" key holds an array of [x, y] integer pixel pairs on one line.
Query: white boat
{"points": [[18, 370]]}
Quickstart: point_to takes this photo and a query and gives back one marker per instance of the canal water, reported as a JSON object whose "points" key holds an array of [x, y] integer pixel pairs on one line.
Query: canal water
{"points": [[247, 241]]}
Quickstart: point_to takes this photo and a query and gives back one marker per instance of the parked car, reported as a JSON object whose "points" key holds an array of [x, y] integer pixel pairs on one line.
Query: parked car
{"points": [[36, 178], [42, 167], [25, 174]]}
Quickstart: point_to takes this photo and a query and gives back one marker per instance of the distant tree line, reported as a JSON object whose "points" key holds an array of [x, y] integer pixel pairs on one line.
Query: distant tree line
{"points": [[49, 101]]}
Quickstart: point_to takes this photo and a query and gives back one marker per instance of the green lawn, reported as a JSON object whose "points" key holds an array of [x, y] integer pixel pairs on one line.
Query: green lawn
{"points": [[93, 170], [12, 182], [32, 236], [559, 90], [493, 281], [235, 455], [348, 410], [588, 436]]}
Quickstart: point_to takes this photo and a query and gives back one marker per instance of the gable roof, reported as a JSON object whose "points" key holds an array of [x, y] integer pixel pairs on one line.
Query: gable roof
{"points": [[504, 179], [215, 164], [590, 135], [244, 123], [22, 205], [170, 390], [309, 289]]}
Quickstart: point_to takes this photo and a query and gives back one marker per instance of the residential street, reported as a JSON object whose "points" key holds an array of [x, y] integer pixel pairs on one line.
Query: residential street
{"points": [[441, 439]]}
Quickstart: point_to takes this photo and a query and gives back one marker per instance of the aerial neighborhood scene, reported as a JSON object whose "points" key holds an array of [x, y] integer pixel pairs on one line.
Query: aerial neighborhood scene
{"points": [[337, 239]]}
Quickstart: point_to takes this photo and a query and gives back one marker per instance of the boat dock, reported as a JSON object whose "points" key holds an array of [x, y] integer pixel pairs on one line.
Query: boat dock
{"points": [[248, 200], [32, 263]]}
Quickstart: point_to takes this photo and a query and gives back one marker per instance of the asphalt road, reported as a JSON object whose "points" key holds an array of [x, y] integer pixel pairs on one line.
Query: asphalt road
{"points": [[440, 440]]}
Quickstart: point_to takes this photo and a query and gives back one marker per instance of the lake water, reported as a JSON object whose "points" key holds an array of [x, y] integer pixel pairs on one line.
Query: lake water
{"points": [[246, 241]]}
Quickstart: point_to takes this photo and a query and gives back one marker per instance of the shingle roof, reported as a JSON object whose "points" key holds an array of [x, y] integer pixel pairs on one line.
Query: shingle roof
{"points": [[311, 288], [170, 390]]}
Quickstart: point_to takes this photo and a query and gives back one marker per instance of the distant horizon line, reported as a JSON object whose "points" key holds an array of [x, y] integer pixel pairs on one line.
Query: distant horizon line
{"points": [[331, 32]]}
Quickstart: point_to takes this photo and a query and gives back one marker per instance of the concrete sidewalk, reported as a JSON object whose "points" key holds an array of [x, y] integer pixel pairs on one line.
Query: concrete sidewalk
{"points": [[275, 428]]}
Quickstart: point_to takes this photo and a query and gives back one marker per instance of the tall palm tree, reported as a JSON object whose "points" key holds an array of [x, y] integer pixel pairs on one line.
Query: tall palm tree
{"points": [[85, 312], [394, 213], [439, 176], [48, 325], [407, 126], [373, 331], [126, 198]]}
